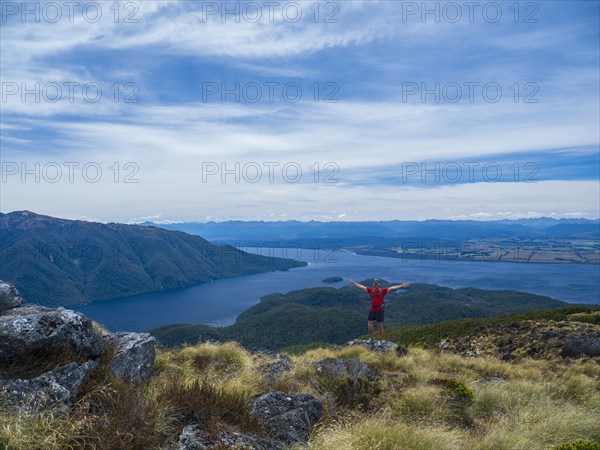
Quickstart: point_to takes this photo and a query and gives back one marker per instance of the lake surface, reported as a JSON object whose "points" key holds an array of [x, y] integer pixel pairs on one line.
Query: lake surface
{"points": [[218, 303]]}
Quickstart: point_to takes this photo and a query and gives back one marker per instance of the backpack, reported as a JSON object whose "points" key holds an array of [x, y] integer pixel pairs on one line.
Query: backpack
{"points": [[377, 300]]}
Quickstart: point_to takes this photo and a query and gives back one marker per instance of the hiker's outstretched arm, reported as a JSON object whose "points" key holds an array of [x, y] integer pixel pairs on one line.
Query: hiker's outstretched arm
{"points": [[398, 286], [360, 286]]}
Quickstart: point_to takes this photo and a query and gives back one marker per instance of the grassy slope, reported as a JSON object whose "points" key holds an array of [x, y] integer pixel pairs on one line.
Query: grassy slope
{"points": [[537, 405]]}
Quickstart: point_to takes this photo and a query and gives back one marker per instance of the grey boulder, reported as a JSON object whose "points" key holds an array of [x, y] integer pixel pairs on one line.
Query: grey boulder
{"points": [[273, 370], [581, 346], [134, 355], [9, 297], [54, 390], [29, 329], [193, 437], [383, 346], [287, 418], [340, 367]]}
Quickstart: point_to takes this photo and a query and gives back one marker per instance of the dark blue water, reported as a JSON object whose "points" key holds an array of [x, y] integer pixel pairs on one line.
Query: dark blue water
{"points": [[219, 302]]}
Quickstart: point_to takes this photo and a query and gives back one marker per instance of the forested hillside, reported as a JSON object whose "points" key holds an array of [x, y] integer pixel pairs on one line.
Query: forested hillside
{"points": [[326, 314], [61, 262]]}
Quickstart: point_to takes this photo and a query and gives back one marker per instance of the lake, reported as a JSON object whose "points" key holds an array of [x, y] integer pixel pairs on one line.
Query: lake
{"points": [[218, 303]]}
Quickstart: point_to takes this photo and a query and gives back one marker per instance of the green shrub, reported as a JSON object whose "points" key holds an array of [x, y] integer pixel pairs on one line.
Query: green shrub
{"points": [[463, 392], [457, 389], [579, 444]]}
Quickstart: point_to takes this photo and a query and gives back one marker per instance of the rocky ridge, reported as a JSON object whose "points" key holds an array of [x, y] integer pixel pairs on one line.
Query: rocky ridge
{"points": [[541, 339], [46, 353]]}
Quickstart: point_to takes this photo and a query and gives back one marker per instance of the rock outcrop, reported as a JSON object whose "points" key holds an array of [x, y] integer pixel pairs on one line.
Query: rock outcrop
{"points": [[134, 356], [380, 346], [194, 437], [9, 297], [287, 418], [532, 339], [30, 329], [54, 390], [340, 367], [581, 346], [46, 353], [271, 371]]}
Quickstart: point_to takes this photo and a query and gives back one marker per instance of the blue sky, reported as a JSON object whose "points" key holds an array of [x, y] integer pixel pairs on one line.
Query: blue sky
{"points": [[368, 110]]}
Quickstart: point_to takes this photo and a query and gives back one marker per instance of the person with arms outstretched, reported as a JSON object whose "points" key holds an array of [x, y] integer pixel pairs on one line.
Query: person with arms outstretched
{"points": [[377, 307]]}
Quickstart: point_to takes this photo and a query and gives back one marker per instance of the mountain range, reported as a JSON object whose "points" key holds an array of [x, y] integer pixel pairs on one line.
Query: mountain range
{"points": [[58, 262], [385, 232]]}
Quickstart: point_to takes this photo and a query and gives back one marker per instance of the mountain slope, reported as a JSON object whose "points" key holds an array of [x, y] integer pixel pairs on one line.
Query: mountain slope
{"points": [[428, 335], [68, 262]]}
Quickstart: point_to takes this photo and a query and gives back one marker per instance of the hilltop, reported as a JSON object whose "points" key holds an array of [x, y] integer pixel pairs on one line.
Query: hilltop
{"points": [[71, 262], [330, 315]]}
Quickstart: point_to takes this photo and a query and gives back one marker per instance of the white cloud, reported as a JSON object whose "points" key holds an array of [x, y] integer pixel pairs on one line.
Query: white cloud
{"points": [[169, 141]]}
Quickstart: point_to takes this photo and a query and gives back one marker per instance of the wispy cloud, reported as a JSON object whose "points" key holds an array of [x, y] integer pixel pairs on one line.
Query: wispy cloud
{"points": [[372, 53]]}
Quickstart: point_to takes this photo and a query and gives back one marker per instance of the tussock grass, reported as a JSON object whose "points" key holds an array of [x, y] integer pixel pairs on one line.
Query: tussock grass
{"points": [[99, 329], [225, 358], [539, 424], [536, 405], [42, 431], [380, 432], [419, 402], [590, 368], [117, 415]]}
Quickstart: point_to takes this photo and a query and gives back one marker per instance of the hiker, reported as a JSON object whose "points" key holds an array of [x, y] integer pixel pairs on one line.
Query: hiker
{"points": [[377, 308]]}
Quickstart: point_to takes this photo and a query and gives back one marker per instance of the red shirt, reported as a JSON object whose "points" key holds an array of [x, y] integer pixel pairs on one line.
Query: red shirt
{"points": [[375, 296]]}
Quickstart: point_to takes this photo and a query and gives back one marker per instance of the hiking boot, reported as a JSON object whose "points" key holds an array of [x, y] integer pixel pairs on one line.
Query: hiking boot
{"points": [[379, 344]]}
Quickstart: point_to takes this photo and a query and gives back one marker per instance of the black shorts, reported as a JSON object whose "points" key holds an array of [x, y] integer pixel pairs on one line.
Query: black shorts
{"points": [[376, 315]]}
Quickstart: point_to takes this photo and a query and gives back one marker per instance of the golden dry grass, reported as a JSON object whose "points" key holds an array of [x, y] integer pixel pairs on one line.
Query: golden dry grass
{"points": [[536, 405]]}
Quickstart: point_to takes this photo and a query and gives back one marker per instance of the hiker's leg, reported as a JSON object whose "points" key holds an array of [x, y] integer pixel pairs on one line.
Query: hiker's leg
{"points": [[371, 331], [380, 326]]}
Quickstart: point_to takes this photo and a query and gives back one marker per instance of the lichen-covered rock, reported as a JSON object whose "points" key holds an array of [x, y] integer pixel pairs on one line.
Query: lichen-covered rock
{"points": [[380, 346], [273, 370], [581, 346], [29, 329], [287, 418], [9, 297], [340, 367], [490, 380], [54, 390], [401, 351], [134, 355], [193, 437]]}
